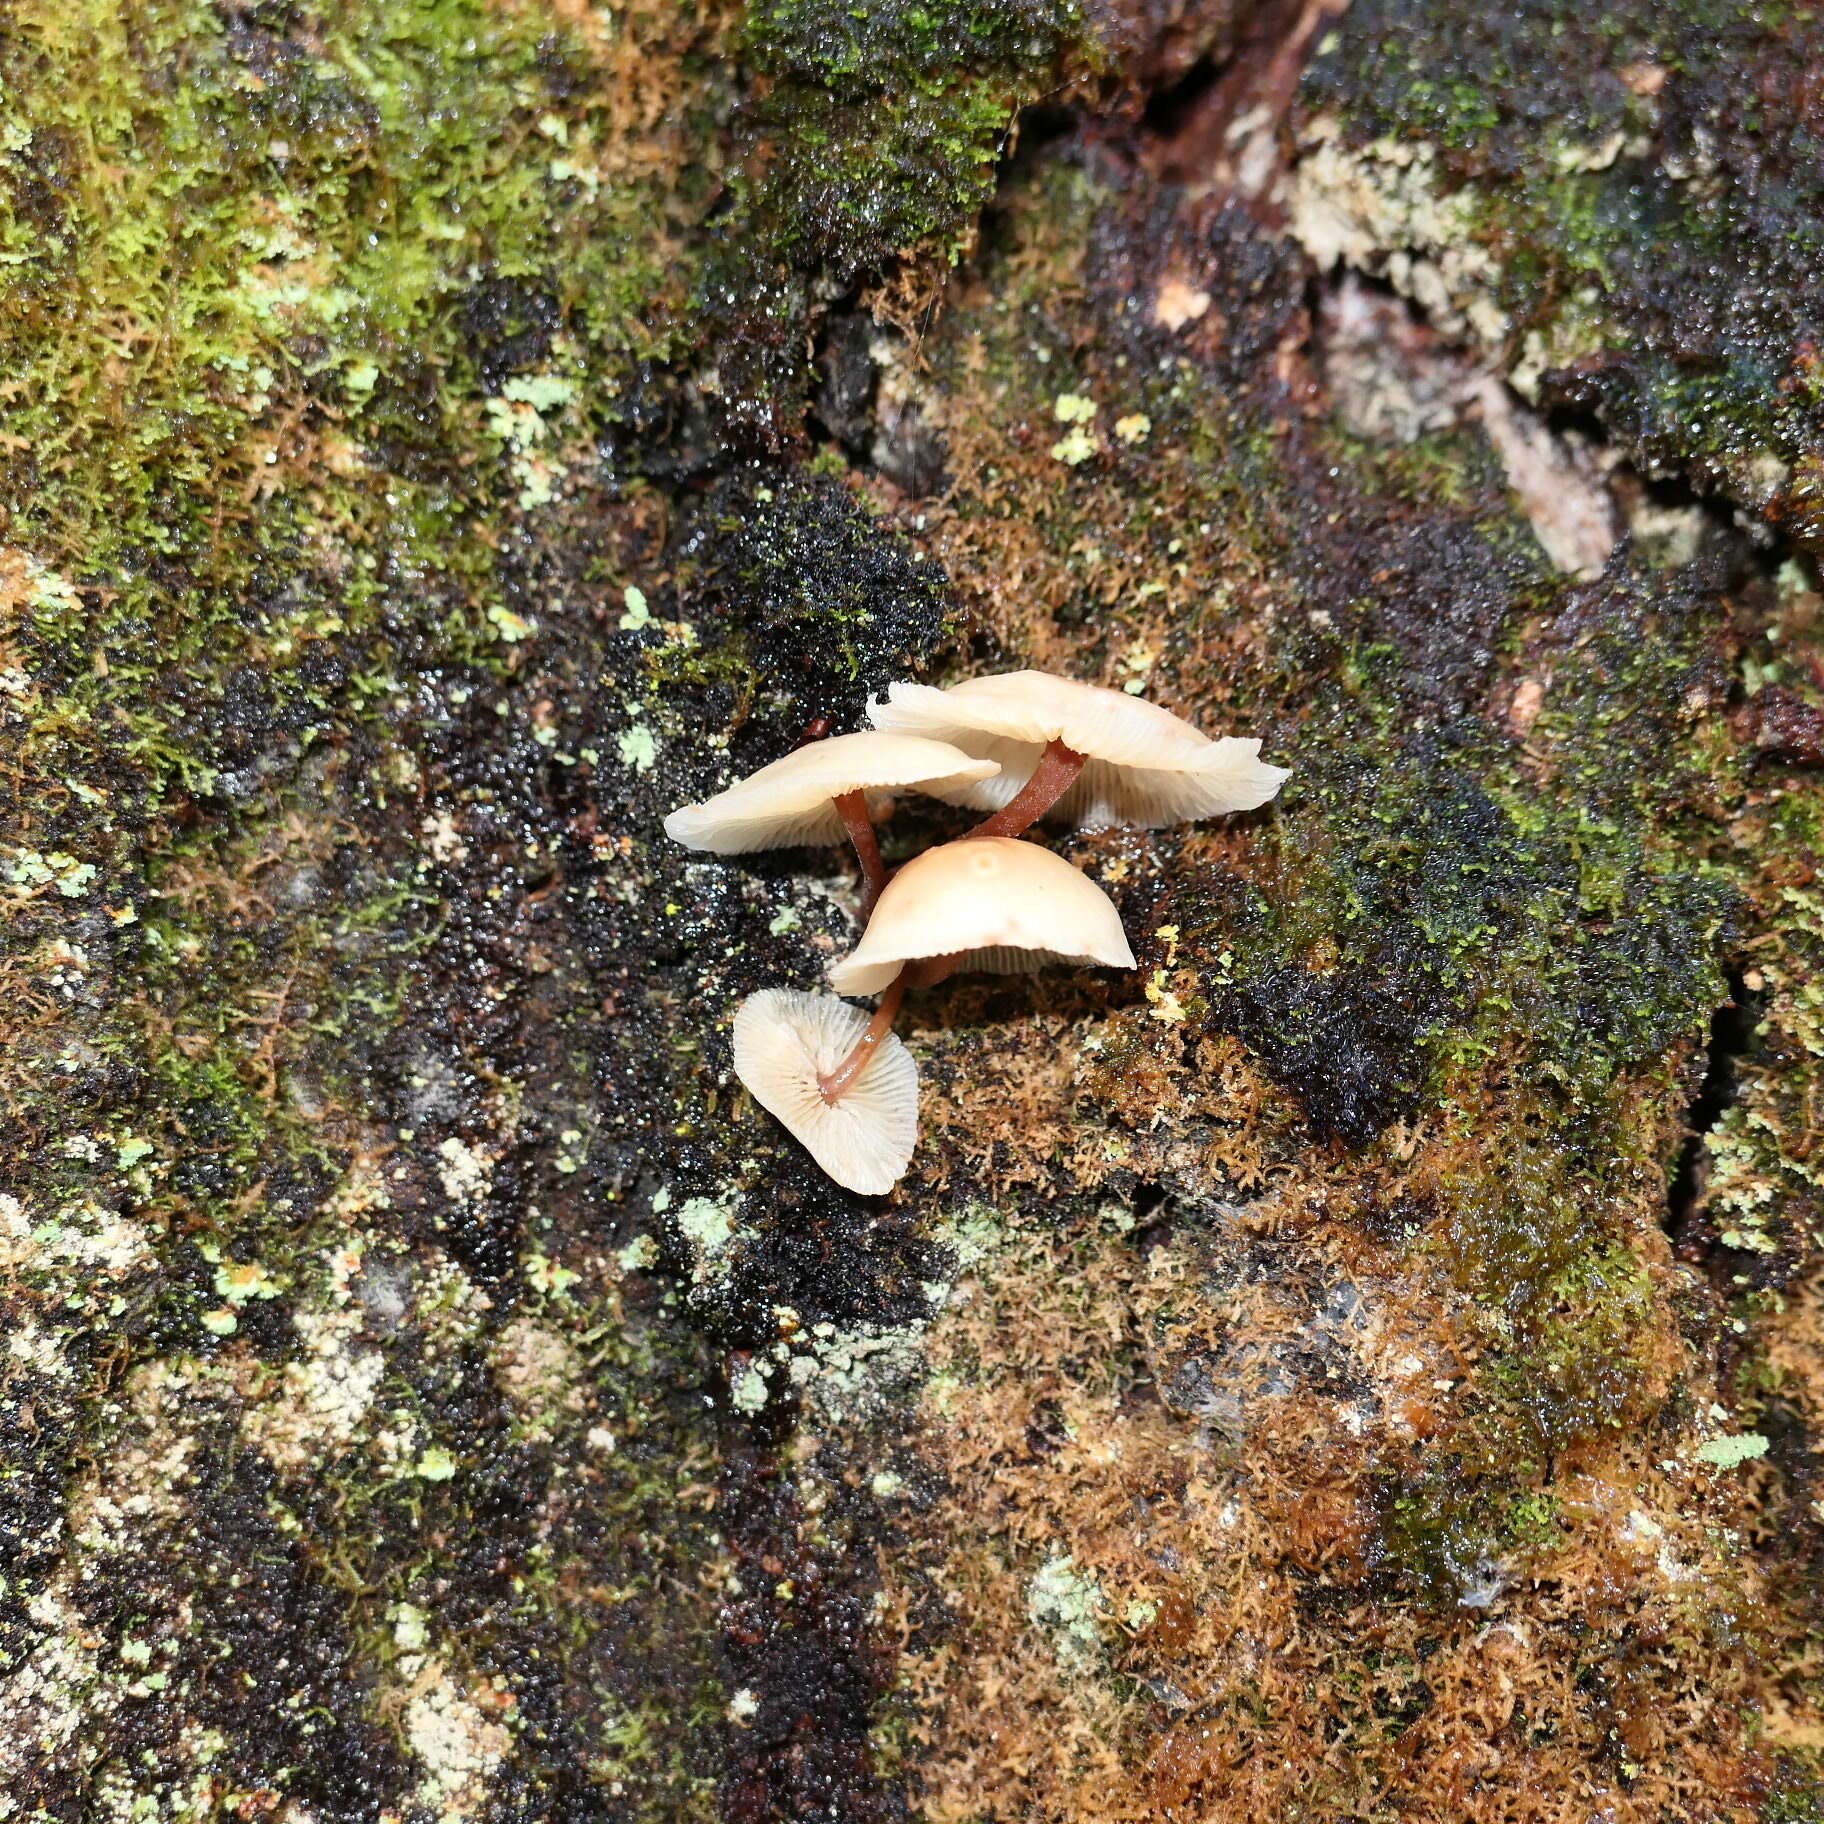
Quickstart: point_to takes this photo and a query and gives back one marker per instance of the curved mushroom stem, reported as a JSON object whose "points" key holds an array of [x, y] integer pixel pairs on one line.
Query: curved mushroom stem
{"points": [[852, 808], [1054, 775], [844, 1075], [930, 970]]}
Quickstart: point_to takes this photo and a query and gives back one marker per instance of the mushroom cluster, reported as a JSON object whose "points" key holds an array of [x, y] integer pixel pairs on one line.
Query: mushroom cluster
{"points": [[1024, 746]]}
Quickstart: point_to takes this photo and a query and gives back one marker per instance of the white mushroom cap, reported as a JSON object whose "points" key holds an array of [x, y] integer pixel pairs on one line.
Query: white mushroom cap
{"points": [[1004, 905], [1146, 765], [792, 801], [785, 1040]]}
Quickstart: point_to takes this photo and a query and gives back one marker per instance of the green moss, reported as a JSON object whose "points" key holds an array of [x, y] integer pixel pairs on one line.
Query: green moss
{"points": [[906, 172], [904, 44], [1430, 915], [277, 331], [1462, 1535], [1580, 1346], [1797, 1794], [884, 123]]}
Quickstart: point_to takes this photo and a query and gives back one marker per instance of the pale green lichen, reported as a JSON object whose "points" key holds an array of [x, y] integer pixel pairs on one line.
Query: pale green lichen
{"points": [[28, 871], [434, 1464], [707, 1225], [509, 626], [1385, 207], [748, 1390], [410, 1632], [854, 1373], [638, 748], [1732, 1451], [1067, 1604], [325, 1398], [459, 1747]]}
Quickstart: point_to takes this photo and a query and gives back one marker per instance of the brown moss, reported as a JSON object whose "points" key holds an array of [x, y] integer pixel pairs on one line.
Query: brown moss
{"points": [[1173, 1424]]}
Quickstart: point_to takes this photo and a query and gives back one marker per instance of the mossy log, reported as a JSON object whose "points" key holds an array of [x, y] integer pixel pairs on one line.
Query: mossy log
{"points": [[1361, 1365]]}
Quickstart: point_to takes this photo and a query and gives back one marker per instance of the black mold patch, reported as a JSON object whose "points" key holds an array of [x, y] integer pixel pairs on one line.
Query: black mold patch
{"points": [[1255, 283], [826, 1253], [799, 1643], [37, 1432], [1347, 1045], [263, 1652], [1428, 604], [509, 325], [830, 607]]}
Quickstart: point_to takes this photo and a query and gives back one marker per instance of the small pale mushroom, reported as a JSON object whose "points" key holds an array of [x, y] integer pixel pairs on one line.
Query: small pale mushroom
{"points": [[986, 902], [814, 795], [786, 1043], [1098, 756]]}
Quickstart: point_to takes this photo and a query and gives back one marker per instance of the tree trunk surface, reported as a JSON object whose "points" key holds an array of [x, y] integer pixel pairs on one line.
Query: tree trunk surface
{"points": [[1362, 1365]]}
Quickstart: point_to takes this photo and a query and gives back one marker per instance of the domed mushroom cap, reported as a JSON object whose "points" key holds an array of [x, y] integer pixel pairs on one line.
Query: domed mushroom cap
{"points": [[1146, 766], [792, 801], [1003, 905], [784, 1041]]}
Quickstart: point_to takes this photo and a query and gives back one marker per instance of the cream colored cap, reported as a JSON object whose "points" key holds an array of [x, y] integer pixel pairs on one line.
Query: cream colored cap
{"points": [[1146, 765], [1004, 905], [791, 802], [784, 1041]]}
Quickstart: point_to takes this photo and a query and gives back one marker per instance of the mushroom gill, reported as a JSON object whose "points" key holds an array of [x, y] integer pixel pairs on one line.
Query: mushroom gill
{"points": [[785, 1041]]}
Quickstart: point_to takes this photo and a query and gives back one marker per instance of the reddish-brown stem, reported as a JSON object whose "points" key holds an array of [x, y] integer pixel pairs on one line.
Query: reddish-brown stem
{"points": [[1054, 775], [844, 1075], [852, 808]]}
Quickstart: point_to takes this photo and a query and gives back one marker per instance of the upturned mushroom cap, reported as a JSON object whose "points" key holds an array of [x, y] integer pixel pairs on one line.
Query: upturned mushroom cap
{"points": [[1003, 905], [784, 1041], [1146, 765], [792, 801]]}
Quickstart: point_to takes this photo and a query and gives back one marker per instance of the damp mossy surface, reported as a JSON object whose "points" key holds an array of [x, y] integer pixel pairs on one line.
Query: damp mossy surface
{"points": [[1376, 1337], [1624, 205]]}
